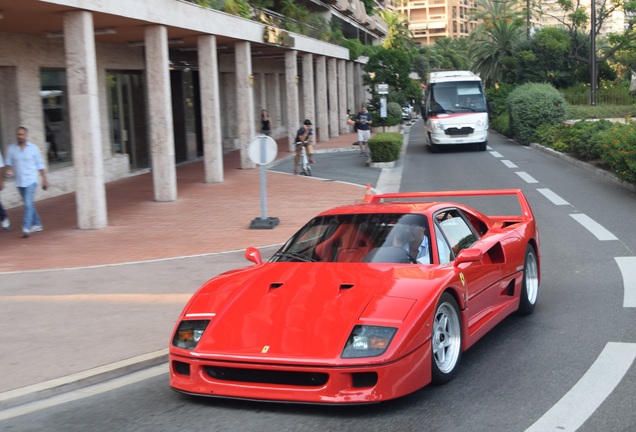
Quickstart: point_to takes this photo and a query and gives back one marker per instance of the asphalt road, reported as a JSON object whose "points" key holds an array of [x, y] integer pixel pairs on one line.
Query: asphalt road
{"points": [[569, 366]]}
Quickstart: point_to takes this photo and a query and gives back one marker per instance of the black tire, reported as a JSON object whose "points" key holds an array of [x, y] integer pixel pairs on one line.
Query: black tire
{"points": [[483, 145], [434, 148], [530, 284], [446, 341]]}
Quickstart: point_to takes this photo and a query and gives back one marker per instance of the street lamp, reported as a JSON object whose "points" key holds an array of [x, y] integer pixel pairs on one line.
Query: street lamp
{"points": [[593, 54]]}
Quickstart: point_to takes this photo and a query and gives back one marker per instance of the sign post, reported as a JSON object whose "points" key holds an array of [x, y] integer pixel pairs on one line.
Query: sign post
{"points": [[262, 151], [383, 89]]}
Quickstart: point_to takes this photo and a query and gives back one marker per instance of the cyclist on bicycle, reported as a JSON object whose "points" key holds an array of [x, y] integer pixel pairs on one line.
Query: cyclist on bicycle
{"points": [[302, 139]]}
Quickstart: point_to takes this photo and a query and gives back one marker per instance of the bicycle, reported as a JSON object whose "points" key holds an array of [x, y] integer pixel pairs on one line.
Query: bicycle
{"points": [[305, 168]]}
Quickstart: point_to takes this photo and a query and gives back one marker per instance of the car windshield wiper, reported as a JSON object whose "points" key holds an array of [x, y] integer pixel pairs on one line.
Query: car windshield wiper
{"points": [[294, 255]]}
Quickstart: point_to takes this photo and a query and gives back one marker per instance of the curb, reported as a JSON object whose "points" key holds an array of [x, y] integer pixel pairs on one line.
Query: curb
{"points": [[586, 166], [57, 386]]}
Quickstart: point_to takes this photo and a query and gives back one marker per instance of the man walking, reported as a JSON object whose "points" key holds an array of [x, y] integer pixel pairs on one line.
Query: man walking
{"points": [[24, 161], [363, 125], [4, 219]]}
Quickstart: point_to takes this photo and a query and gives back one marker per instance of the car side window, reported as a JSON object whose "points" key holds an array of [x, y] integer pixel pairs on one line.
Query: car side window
{"points": [[443, 250], [456, 231]]}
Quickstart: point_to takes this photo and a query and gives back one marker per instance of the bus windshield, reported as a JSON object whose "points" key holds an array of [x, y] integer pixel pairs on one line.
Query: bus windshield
{"points": [[456, 97]]}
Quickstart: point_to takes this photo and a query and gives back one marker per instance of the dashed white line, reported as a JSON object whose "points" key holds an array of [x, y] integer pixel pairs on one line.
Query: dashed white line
{"points": [[627, 266], [556, 200], [593, 227], [496, 154], [509, 164], [586, 396], [527, 177]]}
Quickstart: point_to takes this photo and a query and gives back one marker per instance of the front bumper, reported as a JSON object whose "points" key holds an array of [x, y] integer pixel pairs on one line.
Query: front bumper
{"points": [[440, 138], [303, 384]]}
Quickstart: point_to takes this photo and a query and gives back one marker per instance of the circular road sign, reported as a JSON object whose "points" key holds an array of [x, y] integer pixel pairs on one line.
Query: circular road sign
{"points": [[262, 150]]}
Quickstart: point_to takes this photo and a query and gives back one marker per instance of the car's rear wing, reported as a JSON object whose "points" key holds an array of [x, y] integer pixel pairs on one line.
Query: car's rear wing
{"points": [[523, 202]]}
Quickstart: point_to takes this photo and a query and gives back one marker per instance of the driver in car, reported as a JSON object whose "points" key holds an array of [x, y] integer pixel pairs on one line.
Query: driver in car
{"points": [[411, 236]]}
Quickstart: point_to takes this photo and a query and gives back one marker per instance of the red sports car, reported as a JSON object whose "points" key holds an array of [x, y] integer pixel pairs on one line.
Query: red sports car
{"points": [[365, 303]]}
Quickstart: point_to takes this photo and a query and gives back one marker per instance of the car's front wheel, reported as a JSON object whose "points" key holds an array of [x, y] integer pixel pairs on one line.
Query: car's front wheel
{"points": [[530, 283], [447, 340]]}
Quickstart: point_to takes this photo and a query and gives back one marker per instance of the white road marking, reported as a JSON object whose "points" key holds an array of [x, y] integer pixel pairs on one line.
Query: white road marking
{"points": [[627, 265], [556, 200], [509, 164], [526, 177], [496, 154], [586, 396], [84, 393], [593, 227], [488, 147]]}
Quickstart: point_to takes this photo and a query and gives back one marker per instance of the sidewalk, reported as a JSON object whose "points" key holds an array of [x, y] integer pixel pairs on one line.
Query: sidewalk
{"points": [[66, 325], [205, 218]]}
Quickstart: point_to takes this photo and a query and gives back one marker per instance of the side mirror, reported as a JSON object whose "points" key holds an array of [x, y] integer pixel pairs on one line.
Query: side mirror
{"points": [[468, 256], [254, 255]]}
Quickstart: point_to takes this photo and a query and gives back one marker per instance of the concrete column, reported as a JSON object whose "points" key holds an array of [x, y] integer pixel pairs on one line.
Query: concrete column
{"points": [[245, 100], [83, 98], [332, 82], [211, 109], [276, 105], [361, 96], [342, 97], [291, 84], [309, 102], [272, 103], [351, 100], [164, 173], [322, 109]]}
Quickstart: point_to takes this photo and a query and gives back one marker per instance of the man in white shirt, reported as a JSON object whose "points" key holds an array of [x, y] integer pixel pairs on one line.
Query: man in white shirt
{"points": [[4, 219], [25, 161], [412, 237]]}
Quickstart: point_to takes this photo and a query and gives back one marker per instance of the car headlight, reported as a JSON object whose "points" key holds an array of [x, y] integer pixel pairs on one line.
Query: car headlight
{"points": [[189, 333], [481, 123], [368, 341], [437, 125]]}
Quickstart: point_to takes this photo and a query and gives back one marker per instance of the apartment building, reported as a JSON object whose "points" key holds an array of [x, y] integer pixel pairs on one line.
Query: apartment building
{"points": [[109, 88], [430, 20]]}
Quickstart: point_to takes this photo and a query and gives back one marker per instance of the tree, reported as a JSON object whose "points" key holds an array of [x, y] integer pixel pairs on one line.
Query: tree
{"points": [[392, 67], [545, 58], [495, 49], [578, 24], [400, 36]]}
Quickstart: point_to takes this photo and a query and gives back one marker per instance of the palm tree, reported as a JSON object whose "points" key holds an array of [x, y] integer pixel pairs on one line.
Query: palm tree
{"points": [[495, 48], [400, 36]]}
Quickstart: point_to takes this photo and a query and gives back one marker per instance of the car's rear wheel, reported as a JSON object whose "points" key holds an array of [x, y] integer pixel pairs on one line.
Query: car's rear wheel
{"points": [[530, 284], [447, 340]]}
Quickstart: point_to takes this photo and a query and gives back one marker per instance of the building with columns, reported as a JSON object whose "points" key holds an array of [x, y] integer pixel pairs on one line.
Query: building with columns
{"points": [[109, 89]]}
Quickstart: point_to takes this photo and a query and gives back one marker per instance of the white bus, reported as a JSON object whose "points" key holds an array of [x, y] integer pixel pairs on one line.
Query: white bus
{"points": [[455, 110]]}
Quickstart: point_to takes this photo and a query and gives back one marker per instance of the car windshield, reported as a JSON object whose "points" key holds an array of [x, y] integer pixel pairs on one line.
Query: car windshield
{"points": [[385, 237]]}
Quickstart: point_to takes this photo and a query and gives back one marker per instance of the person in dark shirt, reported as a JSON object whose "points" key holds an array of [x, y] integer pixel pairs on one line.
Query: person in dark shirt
{"points": [[363, 125]]}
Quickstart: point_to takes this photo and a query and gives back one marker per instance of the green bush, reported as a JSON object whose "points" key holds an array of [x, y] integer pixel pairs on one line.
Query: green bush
{"points": [[394, 109], [390, 120], [498, 95], [549, 134], [581, 138], [501, 123], [531, 105], [386, 146], [618, 150]]}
